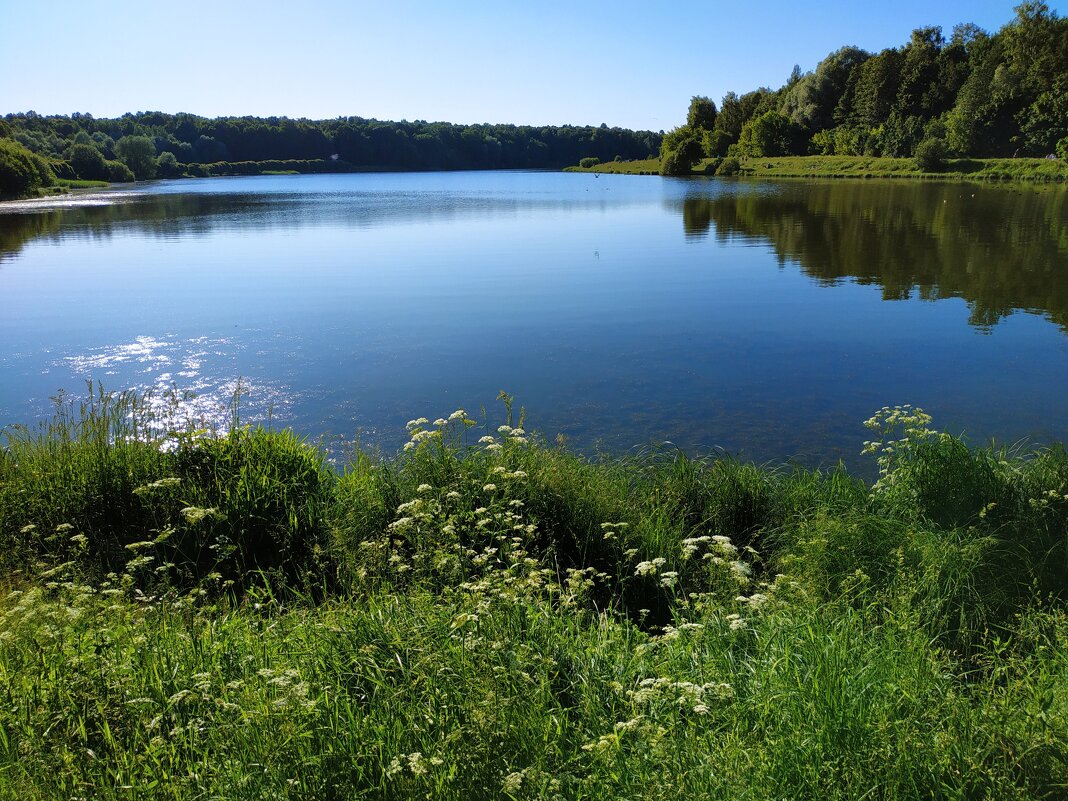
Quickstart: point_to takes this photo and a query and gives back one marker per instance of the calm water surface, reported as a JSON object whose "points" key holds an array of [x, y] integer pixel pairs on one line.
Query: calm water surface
{"points": [[766, 319]]}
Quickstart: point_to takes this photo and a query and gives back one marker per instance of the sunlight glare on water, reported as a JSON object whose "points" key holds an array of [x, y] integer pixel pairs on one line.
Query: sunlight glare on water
{"points": [[766, 319]]}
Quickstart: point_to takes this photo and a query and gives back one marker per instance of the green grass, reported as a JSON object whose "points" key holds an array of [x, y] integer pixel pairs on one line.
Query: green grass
{"points": [[1021, 169], [78, 183], [636, 167], [219, 614]]}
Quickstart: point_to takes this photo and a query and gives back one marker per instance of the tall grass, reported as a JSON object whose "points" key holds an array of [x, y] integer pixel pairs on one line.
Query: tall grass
{"points": [[487, 616]]}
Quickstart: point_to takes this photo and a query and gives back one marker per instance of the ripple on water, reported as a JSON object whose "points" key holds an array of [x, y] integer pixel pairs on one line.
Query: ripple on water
{"points": [[185, 381]]}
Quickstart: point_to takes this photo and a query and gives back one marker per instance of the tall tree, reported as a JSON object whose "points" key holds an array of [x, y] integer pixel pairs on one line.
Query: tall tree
{"points": [[702, 114], [139, 154], [812, 100]]}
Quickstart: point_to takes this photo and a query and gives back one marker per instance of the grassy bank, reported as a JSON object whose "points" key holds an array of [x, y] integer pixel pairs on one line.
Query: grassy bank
{"points": [[1040, 170], [78, 183], [637, 167], [488, 616]]}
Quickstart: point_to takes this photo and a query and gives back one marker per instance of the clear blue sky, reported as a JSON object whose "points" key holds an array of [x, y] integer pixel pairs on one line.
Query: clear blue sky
{"points": [[546, 62]]}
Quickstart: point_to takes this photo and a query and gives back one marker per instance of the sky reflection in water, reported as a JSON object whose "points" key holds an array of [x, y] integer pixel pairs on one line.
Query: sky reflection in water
{"points": [[766, 319]]}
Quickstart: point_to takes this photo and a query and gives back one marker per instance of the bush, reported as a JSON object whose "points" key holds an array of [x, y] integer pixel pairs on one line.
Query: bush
{"points": [[117, 172], [680, 150], [21, 172], [1062, 149], [589, 161], [931, 155], [167, 165], [88, 162], [729, 166]]}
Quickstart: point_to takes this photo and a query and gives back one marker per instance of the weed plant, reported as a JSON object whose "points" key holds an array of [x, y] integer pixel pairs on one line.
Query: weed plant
{"points": [[219, 614]]}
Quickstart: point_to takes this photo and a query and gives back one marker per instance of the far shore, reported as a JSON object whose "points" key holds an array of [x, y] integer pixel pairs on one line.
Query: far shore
{"points": [[1002, 169]]}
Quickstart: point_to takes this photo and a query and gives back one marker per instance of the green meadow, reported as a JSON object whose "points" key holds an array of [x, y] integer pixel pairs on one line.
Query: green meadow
{"points": [[993, 169], [190, 613]]}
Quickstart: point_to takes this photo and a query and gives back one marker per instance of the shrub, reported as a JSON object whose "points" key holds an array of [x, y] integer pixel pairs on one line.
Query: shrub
{"points": [[167, 165], [21, 172], [88, 162], [729, 166], [117, 172], [589, 161], [931, 155]]}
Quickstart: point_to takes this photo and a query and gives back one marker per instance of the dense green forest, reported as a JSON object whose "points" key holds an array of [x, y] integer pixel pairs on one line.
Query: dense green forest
{"points": [[977, 94], [36, 149]]}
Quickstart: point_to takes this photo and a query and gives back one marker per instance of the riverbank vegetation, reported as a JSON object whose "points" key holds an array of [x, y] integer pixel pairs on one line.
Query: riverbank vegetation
{"points": [[153, 144], [949, 169], [977, 95], [188, 613]]}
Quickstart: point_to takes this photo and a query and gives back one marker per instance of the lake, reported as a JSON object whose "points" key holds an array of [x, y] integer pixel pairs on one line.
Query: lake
{"points": [[766, 319]]}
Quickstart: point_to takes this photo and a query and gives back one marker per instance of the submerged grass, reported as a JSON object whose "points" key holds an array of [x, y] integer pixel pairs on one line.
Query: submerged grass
{"points": [[219, 614]]}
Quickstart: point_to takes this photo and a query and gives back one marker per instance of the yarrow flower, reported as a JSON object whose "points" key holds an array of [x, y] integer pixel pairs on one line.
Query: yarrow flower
{"points": [[649, 568]]}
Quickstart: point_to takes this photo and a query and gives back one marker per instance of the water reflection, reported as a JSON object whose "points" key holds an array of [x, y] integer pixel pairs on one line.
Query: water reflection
{"points": [[196, 208], [355, 303], [1001, 249]]}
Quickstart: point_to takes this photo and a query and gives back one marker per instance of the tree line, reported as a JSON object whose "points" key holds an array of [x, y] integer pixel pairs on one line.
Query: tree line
{"points": [[975, 95], [154, 144]]}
